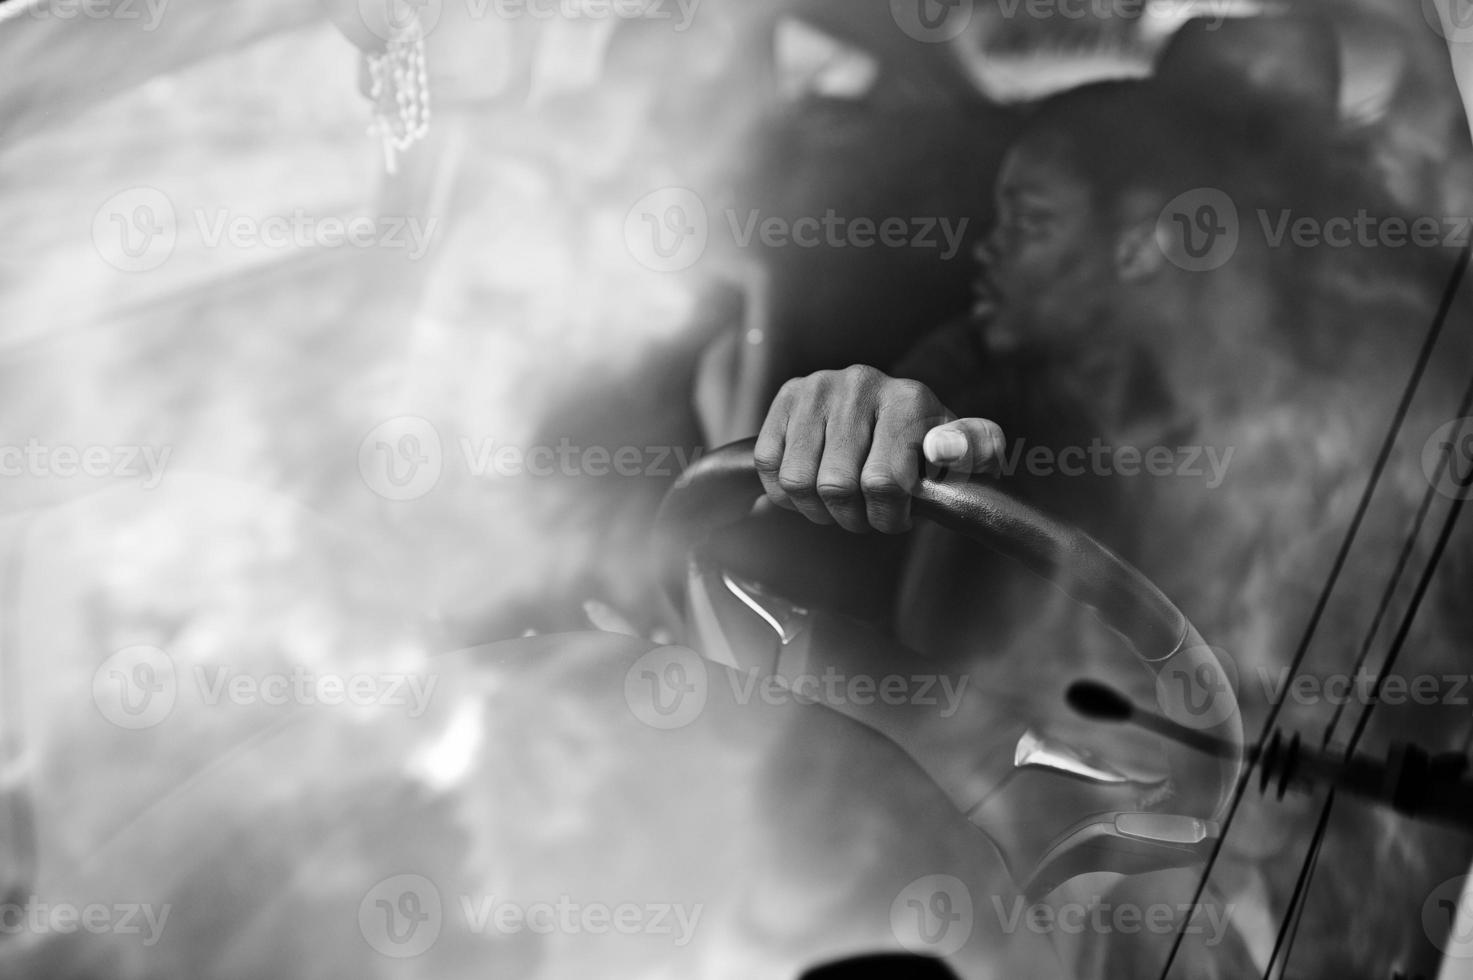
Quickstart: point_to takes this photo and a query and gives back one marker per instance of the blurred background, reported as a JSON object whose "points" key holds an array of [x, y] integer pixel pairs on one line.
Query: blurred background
{"points": [[236, 439]]}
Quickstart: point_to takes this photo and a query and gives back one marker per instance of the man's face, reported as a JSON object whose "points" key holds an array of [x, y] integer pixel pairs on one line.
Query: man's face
{"points": [[1047, 270]]}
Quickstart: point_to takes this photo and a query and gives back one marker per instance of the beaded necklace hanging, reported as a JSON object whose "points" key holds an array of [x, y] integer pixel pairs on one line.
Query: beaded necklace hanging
{"points": [[399, 86]]}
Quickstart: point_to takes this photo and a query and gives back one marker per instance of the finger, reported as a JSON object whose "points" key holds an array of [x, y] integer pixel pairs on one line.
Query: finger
{"points": [[802, 456], [966, 446], [891, 471], [771, 441], [763, 508], [846, 446]]}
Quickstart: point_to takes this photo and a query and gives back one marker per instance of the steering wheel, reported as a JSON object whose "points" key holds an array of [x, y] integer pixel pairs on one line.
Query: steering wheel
{"points": [[1179, 824]]}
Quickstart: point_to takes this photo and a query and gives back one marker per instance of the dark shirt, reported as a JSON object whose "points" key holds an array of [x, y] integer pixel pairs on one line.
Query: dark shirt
{"points": [[955, 598]]}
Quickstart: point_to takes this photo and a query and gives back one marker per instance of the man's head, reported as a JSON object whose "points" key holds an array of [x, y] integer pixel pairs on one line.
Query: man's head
{"points": [[1074, 246]]}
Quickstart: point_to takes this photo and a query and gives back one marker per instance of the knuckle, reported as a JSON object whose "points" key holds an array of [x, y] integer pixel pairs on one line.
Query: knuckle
{"points": [[883, 487], [768, 461], [837, 490], [794, 394], [791, 389], [796, 485], [821, 380], [909, 393]]}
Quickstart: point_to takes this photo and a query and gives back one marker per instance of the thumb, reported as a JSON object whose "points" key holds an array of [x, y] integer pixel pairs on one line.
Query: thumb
{"points": [[965, 446]]}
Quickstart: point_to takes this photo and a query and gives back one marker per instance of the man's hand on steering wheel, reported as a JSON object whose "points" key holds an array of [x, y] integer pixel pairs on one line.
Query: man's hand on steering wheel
{"points": [[846, 447]]}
